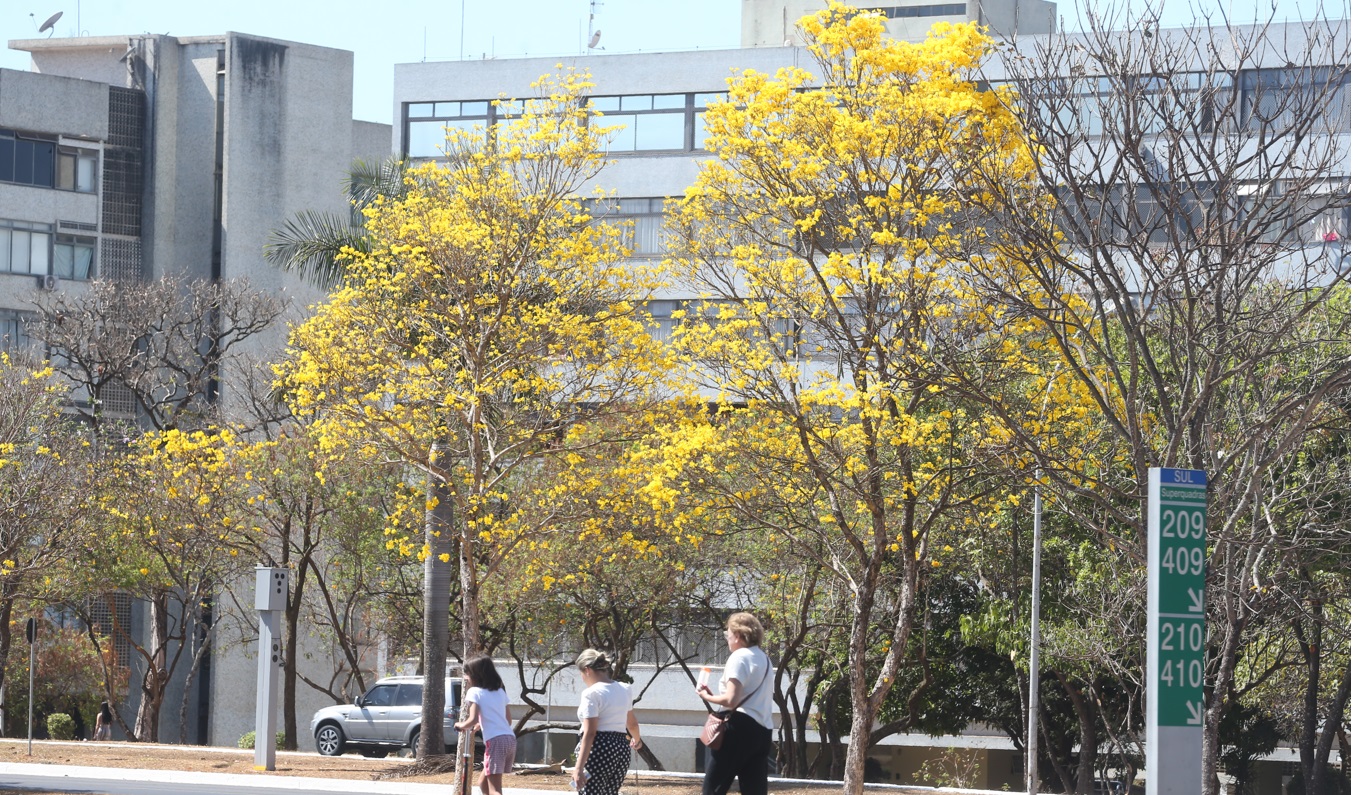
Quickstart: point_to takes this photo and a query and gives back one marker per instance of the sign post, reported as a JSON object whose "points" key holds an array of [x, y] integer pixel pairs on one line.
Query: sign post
{"points": [[270, 599], [1176, 633], [30, 631]]}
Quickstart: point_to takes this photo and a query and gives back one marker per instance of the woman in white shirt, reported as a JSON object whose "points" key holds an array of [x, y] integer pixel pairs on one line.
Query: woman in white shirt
{"points": [[488, 708], [605, 714], [746, 688]]}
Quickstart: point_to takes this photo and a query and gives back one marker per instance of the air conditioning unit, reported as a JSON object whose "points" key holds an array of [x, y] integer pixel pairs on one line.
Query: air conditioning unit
{"points": [[47, 282]]}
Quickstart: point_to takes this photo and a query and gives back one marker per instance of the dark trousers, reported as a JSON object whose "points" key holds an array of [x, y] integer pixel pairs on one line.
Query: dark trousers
{"points": [[744, 755]]}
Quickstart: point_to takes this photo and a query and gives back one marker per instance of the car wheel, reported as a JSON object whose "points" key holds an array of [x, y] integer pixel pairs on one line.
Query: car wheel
{"points": [[413, 743], [329, 740], [373, 753]]}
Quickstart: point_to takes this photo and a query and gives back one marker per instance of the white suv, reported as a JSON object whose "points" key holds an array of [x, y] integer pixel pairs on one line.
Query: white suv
{"points": [[386, 718]]}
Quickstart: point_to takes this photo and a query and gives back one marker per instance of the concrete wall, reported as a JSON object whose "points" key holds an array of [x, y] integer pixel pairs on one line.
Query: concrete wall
{"points": [[43, 103]]}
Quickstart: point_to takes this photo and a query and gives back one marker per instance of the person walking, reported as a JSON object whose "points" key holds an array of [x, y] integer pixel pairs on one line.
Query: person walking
{"points": [[103, 723], [489, 710], [605, 714], [746, 690]]}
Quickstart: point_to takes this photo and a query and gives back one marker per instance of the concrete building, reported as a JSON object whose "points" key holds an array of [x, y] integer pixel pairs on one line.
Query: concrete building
{"points": [[128, 158], [771, 23]]}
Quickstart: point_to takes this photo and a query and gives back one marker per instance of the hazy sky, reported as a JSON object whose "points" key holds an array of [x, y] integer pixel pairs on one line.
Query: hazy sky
{"points": [[382, 34]]}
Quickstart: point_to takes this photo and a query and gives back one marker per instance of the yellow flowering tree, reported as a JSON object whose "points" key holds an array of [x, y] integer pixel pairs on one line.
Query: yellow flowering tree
{"points": [[41, 488], [487, 316], [833, 236], [322, 516], [160, 530]]}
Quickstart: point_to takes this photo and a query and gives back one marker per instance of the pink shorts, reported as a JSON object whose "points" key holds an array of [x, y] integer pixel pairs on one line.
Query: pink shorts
{"points": [[499, 754]]}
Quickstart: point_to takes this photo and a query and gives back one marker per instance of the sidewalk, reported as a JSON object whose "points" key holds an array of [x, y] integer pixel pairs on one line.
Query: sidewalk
{"points": [[114, 780]]}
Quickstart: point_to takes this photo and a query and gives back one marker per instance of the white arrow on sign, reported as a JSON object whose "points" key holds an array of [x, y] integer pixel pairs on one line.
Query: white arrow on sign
{"points": [[1195, 600], [1195, 713]]}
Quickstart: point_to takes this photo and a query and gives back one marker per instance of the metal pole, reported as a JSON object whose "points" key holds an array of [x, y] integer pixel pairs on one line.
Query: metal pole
{"points": [[1031, 735], [32, 664], [467, 760]]}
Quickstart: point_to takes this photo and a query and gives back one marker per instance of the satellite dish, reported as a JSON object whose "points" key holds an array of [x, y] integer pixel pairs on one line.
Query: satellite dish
{"points": [[596, 37], [50, 23]]}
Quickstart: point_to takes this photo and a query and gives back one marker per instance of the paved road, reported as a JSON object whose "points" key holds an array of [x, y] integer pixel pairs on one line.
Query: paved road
{"points": [[122, 781]]}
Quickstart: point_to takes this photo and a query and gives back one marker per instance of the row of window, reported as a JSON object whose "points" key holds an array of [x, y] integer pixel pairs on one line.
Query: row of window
{"points": [[25, 160], [675, 122], [914, 12], [1316, 221], [643, 122], [33, 248], [1269, 98]]}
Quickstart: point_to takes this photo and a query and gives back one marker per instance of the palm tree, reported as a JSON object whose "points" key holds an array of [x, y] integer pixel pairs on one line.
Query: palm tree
{"points": [[311, 241]]}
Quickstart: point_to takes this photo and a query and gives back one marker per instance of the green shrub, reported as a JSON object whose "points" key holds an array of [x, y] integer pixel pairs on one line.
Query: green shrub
{"points": [[60, 726], [246, 740]]}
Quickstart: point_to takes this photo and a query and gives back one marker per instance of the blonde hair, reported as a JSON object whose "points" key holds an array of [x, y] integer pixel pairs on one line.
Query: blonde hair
{"points": [[746, 627], [593, 660]]}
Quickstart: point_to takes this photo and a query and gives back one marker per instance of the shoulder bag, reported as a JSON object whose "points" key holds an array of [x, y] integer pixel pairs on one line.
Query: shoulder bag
{"points": [[716, 724]]}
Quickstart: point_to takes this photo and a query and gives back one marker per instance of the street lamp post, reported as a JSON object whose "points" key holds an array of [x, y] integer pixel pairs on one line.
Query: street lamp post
{"points": [[1031, 735]]}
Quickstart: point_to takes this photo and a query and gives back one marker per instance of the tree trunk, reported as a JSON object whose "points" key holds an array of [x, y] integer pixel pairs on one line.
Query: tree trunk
{"points": [[1089, 741], [1310, 648], [199, 654], [6, 640], [1320, 775], [153, 682], [290, 655], [1221, 689], [436, 612]]}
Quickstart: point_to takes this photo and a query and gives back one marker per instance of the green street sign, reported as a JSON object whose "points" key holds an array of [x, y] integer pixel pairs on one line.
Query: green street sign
{"points": [[1176, 631]]}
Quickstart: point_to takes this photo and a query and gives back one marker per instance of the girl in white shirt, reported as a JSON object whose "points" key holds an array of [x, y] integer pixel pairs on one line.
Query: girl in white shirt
{"points": [[605, 714], [488, 709]]}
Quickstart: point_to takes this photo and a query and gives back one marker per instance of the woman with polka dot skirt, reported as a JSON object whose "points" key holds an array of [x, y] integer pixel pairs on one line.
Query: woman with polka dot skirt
{"points": [[606, 713]]}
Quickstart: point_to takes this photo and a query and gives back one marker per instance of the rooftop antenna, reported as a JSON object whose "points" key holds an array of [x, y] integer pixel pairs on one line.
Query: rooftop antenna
{"points": [[593, 35], [49, 24]]}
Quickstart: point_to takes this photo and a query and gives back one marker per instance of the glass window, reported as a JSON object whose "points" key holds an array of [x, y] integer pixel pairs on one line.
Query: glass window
{"points": [[6, 156], [420, 110], [446, 110], [700, 132], [622, 138], [75, 169], [13, 332], [44, 163], [23, 161], [5, 235], [705, 100], [20, 250], [660, 131], [473, 108], [27, 161], [669, 102], [379, 696], [409, 695], [40, 262], [85, 170], [428, 138], [73, 258], [606, 104], [640, 102]]}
